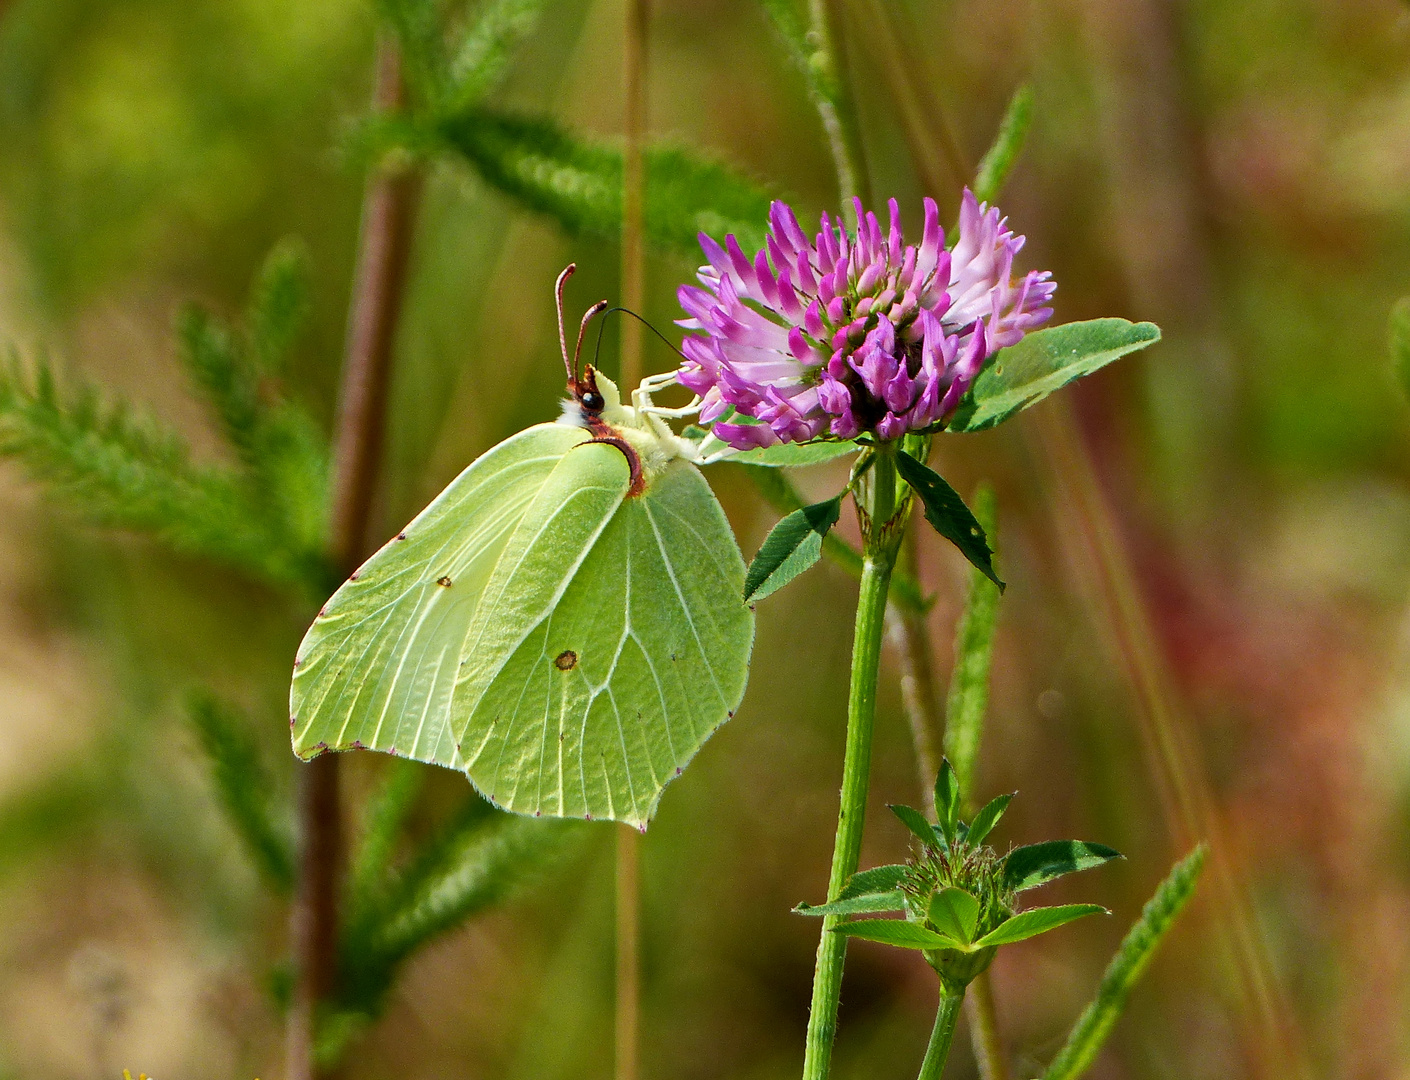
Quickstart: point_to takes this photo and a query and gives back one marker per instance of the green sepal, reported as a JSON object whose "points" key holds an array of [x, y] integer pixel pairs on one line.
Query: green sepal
{"points": [[1046, 360], [796, 455], [948, 514], [988, 817], [863, 904], [793, 545], [947, 799], [955, 913], [1035, 921], [1032, 865], [914, 820], [898, 932], [877, 879]]}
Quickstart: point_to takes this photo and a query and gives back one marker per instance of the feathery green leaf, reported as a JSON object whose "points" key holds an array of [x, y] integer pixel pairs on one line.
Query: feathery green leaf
{"points": [[220, 370], [475, 861], [484, 51], [278, 305], [127, 472], [1137, 947], [245, 789], [382, 824], [578, 182]]}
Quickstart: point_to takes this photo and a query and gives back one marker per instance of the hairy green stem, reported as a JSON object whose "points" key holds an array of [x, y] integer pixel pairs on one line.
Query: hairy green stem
{"points": [[946, 1017], [834, 100], [984, 1030], [883, 523]]}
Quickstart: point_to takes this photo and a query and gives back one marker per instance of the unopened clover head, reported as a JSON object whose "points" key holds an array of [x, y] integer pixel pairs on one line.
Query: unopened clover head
{"points": [[958, 895], [853, 331]]}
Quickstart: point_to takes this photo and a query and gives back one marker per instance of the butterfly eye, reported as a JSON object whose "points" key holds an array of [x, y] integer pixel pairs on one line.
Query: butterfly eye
{"points": [[592, 401]]}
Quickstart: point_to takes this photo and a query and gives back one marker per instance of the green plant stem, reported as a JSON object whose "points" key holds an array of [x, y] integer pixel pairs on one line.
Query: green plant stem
{"points": [[984, 1030], [834, 100], [883, 523], [946, 1017]]}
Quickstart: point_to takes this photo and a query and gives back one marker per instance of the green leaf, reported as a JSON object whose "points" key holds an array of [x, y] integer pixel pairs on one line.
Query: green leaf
{"points": [[899, 932], [1400, 343], [778, 491], [862, 904], [1137, 947], [578, 182], [987, 818], [994, 169], [791, 547], [796, 455], [877, 879], [968, 699], [914, 820], [955, 913], [1036, 864], [1035, 921], [244, 788], [947, 799], [1045, 360], [947, 513]]}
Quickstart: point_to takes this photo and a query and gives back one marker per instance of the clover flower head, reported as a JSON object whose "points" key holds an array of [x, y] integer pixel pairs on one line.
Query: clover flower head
{"points": [[853, 331]]}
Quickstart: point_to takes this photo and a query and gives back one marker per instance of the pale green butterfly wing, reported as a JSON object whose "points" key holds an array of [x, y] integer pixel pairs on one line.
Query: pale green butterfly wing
{"points": [[378, 667], [595, 669], [587, 645]]}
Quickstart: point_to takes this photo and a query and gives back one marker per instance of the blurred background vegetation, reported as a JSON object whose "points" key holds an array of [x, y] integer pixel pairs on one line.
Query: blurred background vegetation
{"points": [[1238, 172]]}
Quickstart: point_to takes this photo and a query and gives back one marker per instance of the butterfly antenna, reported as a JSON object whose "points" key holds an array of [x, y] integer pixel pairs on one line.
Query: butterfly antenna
{"points": [[588, 316], [628, 311], [571, 365]]}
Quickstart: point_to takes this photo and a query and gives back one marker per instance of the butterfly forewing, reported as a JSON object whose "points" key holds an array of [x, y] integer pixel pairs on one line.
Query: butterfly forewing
{"points": [[378, 666]]}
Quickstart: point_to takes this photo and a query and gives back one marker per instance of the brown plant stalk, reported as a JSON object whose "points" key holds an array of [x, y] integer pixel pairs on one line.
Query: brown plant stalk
{"points": [[383, 249]]}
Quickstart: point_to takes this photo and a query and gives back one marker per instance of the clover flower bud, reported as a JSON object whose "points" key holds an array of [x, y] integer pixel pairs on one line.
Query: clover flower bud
{"points": [[854, 331], [958, 892]]}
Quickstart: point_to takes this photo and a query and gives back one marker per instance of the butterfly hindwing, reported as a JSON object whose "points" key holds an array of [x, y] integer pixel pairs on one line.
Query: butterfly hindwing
{"points": [[602, 666]]}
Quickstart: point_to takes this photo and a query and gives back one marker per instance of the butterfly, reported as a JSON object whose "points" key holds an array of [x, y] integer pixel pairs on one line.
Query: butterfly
{"points": [[564, 623]]}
